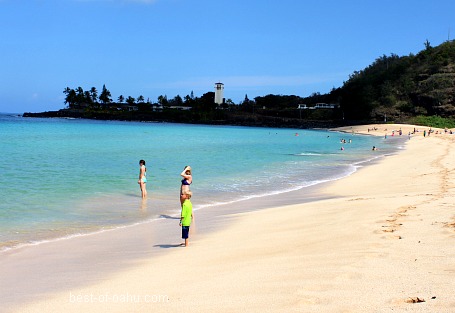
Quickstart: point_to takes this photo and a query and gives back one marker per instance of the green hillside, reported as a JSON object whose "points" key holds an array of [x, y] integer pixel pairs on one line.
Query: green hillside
{"points": [[401, 87]]}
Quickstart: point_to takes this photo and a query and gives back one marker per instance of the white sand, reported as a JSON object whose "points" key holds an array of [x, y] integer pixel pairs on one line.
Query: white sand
{"points": [[386, 235]]}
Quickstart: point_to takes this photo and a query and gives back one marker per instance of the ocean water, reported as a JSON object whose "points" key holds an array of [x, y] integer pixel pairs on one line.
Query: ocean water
{"points": [[68, 177]]}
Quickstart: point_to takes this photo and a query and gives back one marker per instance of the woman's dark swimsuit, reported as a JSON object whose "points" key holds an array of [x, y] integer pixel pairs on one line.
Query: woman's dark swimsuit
{"points": [[185, 182]]}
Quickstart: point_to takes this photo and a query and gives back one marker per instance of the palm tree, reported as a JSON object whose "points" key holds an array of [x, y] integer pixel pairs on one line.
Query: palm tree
{"points": [[70, 98], [162, 100], [93, 94], [105, 96], [130, 100], [88, 97]]}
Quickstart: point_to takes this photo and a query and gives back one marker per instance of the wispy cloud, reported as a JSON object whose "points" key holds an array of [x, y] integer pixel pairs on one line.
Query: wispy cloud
{"points": [[266, 81], [254, 81], [34, 96]]}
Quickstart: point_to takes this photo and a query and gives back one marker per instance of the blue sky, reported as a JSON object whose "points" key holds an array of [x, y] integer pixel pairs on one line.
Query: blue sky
{"points": [[173, 47]]}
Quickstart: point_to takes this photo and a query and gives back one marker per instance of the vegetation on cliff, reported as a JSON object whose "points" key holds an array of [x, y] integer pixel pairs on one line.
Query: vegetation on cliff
{"points": [[402, 87]]}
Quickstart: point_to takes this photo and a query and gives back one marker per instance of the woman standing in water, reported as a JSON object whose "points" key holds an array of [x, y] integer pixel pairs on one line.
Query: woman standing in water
{"points": [[186, 181], [142, 178]]}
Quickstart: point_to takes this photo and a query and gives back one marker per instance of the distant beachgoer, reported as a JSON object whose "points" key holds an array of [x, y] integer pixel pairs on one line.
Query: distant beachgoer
{"points": [[374, 148], [186, 182], [142, 178], [186, 215]]}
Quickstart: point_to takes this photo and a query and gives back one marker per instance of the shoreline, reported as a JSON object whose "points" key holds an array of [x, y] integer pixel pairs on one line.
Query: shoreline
{"points": [[312, 242], [54, 235], [88, 251], [179, 116], [209, 206], [43, 265]]}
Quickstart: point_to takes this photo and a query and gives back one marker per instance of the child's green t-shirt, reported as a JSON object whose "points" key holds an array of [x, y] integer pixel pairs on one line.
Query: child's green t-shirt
{"points": [[187, 212]]}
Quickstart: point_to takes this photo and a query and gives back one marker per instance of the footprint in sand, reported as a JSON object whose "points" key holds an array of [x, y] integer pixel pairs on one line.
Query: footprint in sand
{"points": [[450, 225], [393, 223], [414, 300]]}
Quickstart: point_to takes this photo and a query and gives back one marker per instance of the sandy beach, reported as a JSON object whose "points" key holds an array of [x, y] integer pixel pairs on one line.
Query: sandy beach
{"points": [[380, 240]]}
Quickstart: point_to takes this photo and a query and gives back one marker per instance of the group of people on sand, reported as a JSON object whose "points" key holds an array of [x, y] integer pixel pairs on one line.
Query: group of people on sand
{"points": [[186, 215]]}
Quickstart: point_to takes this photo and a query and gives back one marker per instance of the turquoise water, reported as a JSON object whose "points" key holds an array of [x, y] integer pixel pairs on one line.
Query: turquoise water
{"points": [[63, 177]]}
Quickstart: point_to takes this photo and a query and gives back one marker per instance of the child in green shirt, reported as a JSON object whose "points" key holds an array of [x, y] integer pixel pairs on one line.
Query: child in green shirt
{"points": [[187, 215]]}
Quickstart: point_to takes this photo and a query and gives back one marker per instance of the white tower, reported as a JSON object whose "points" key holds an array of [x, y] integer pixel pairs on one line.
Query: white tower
{"points": [[219, 87]]}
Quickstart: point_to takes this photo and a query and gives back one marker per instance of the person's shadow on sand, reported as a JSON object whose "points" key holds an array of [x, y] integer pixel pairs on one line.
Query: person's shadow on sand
{"points": [[164, 246], [169, 217]]}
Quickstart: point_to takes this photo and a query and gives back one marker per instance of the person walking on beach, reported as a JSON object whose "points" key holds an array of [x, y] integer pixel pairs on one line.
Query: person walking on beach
{"points": [[186, 215], [186, 182], [142, 178]]}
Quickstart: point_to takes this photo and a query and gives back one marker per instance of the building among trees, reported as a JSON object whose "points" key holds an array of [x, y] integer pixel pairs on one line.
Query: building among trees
{"points": [[219, 99]]}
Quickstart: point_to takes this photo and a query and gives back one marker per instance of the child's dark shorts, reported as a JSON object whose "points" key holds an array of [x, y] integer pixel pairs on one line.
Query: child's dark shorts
{"points": [[185, 231]]}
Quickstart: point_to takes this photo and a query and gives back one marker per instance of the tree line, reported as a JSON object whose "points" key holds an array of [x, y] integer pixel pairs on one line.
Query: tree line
{"points": [[391, 88], [78, 98]]}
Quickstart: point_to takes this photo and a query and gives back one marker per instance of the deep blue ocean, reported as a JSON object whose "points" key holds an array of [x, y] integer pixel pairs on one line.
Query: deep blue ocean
{"points": [[66, 177]]}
